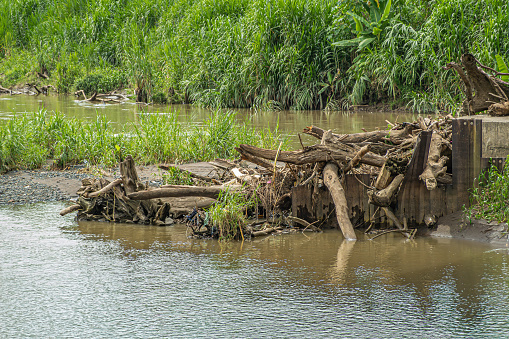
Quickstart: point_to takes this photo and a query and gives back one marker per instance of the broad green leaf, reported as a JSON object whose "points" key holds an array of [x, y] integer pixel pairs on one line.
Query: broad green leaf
{"points": [[322, 90], [359, 18], [358, 25], [502, 68], [365, 42], [376, 31], [387, 11], [346, 43], [329, 77], [375, 14]]}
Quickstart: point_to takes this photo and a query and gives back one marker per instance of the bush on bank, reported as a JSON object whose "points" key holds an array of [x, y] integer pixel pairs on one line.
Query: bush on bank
{"points": [[251, 53]]}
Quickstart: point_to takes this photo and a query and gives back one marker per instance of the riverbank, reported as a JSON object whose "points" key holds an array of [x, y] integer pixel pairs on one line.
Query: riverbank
{"points": [[245, 53]]}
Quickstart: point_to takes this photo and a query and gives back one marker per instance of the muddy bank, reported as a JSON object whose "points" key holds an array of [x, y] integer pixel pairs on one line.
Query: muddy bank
{"points": [[26, 187], [458, 226]]}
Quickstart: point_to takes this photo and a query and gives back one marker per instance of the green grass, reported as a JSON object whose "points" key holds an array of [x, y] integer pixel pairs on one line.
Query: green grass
{"points": [[228, 214], [490, 200], [251, 53], [29, 140]]}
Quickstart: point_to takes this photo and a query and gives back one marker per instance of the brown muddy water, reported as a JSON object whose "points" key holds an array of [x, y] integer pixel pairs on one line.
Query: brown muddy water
{"points": [[63, 279], [290, 122]]}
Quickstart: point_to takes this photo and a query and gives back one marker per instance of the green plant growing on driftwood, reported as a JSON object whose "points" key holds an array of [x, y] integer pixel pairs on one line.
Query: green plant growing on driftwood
{"points": [[175, 176], [229, 214]]}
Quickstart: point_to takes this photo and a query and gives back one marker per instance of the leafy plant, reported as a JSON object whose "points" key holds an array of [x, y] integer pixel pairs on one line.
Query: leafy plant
{"points": [[174, 176], [367, 31], [489, 199], [228, 214], [502, 67]]}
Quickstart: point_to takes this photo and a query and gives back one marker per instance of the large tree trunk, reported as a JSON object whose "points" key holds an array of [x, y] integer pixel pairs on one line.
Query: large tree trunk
{"points": [[331, 180], [311, 154]]}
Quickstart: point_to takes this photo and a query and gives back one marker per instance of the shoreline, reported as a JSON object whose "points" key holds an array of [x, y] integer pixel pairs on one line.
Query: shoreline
{"points": [[45, 185]]}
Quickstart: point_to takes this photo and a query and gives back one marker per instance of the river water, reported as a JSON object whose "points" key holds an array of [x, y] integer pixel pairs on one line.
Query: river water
{"points": [[63, 279]]}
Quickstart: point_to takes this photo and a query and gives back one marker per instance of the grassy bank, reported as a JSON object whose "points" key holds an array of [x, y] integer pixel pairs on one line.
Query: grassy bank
{"points": [[252, 53], [490, 199], [28, 141]]}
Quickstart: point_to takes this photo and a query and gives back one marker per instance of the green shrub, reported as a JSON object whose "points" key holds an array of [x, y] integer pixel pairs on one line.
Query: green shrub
{"points": [[101, 81]]}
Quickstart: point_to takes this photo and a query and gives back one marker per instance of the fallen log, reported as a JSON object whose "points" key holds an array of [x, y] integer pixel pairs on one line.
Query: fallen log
{"points": [[331, 180], [183, 191], [266, 231], [357, 158], [395, 136], [256, 160], [103, 190], [385, 197], [311, 154], [435, 165], [70, 209]]}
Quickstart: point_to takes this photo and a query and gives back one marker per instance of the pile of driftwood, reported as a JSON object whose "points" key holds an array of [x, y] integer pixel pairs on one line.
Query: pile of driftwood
{"points": [[271, 175], [385, 154]]}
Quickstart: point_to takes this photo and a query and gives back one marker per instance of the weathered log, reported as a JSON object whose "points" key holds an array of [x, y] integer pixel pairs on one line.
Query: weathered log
{"points": [[435, 165], [331, 180], [499, 109], [304, 223], [103, 190], [70, 209], [390, 214], [311, 154], [243, 176], [394, 136], [130, 176], [477, 81], [357, 158], [266, 231], [386, 196], [183, 191], [384, 178], [256, 160]]}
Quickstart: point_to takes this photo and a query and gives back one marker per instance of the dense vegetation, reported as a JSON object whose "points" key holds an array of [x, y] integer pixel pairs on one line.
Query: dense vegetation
{"points": [[253, 53], [29, 140], [490, 198]]}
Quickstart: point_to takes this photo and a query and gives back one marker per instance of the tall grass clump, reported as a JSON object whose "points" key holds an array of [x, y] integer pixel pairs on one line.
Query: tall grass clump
{"points": [[229, 214], [29, 140], [490, 199]]}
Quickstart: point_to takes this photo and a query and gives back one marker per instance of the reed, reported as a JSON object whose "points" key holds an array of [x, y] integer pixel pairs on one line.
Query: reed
{"points": [[29, 140], [229, 214]]}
